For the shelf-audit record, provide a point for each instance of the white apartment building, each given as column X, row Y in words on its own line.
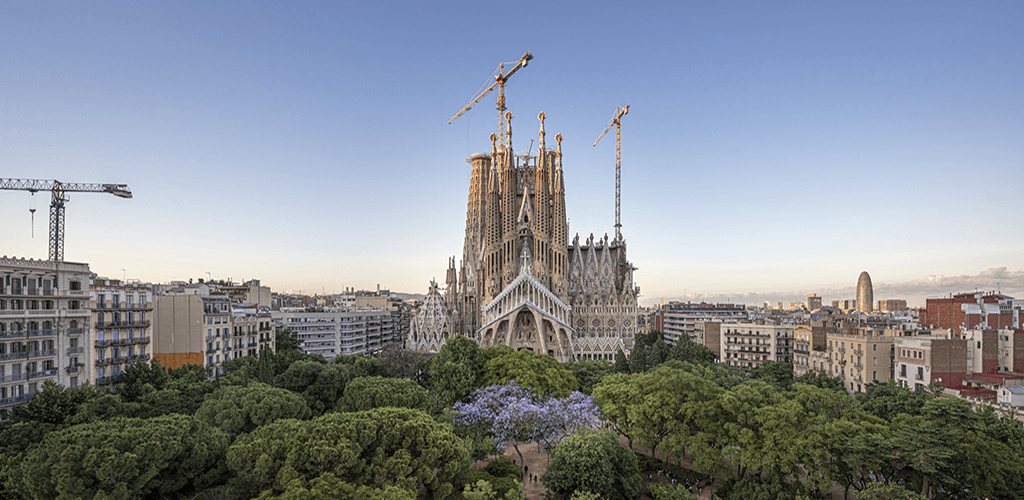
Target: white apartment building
column 747, row 345
column 122, row 327
column 338, row 332
column 44, row 327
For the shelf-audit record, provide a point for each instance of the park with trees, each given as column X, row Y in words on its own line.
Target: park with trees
column 456, row 424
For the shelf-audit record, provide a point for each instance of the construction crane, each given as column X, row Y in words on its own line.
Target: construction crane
column 617, row 121
column 500, row 77
column 58, row 197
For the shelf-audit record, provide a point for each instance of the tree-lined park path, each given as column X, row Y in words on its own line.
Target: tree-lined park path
column 536, row 460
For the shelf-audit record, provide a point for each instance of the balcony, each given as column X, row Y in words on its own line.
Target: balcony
column 14, row 377
column 103, row 343
column 13, row 355
column 16, row 399
column 73, row 370
column 109, row 380
column 142, row 340
column 76, row 350
column 43, row 373
column 75, row 331
column 103, row 362
column 42, row 333
column 42, row 353
column 13, row 335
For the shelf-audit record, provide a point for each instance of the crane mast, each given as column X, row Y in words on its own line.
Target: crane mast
column 500, row 78
column 58, row 197
column 617, row 122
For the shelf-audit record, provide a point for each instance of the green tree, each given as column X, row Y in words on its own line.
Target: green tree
column 366, row 393
column 593, row 461
column 454, row 370
column 689, row 351
column 621, row 362
column 776, row 373
column 378, row 448
column 123, row 458
column 889, row 399
column 53, row 404
column 236, row 409
column 330, row 487
column 539, row 373
column 669, row 492
column 265, row 367
column 140, row 374
column 320, row 384
column 398, row 362
column 589, row 373
column 821, row 379
column 618, row 396
column 887, row 491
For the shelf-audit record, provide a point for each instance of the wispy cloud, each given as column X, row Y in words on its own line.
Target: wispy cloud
column 915, row 292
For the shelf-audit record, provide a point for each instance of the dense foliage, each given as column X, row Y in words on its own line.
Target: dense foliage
column 593, row 461
column 287, row 425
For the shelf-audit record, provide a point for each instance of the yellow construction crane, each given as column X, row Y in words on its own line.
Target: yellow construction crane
column 617, row 122
column 58, row 197
column 500, row 77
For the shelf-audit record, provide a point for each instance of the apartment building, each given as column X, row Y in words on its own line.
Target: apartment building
column 747, row 345
column 860, row 356
column 44, row 327
column 677, row 319
column 252, row 329
column 122, row 327
column 196, row 325
column 338, row 332
column 920, row 360
column 808, row 339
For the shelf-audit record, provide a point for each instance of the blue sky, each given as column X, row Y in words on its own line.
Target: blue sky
column 772, row 149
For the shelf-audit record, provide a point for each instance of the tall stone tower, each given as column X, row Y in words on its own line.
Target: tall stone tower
column 520, row 283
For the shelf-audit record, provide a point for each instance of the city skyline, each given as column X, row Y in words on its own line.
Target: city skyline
column 770, row 151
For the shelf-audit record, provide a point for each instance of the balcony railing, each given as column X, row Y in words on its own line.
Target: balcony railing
column 43, row 373
column 16, row 399
column 73, row 370
column 109, row 380
column 42, row 333
column 13, row 355
column 103, row 362
column 13, row 335
column 75, row 331
column 76, row 350
column 42, row 353
column 14, row 377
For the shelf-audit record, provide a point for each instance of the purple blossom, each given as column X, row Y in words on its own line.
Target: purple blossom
column 514, row 415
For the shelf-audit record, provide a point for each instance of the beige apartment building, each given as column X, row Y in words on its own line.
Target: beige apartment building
column 747, row 345
column 44, row 327
column 860, row 356
column 806, row 341
column 122, row 327
column 252, row 329
column 926, row 358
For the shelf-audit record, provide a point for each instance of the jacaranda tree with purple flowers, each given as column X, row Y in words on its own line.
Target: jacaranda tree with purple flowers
column 515, row 415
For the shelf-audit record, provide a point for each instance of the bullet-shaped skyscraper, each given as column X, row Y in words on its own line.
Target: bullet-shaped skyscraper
column 865, row 295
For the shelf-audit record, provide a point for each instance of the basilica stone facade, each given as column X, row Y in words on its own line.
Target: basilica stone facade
column 520, row 283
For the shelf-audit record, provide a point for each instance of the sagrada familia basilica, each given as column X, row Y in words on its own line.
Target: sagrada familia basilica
column 521, row 283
